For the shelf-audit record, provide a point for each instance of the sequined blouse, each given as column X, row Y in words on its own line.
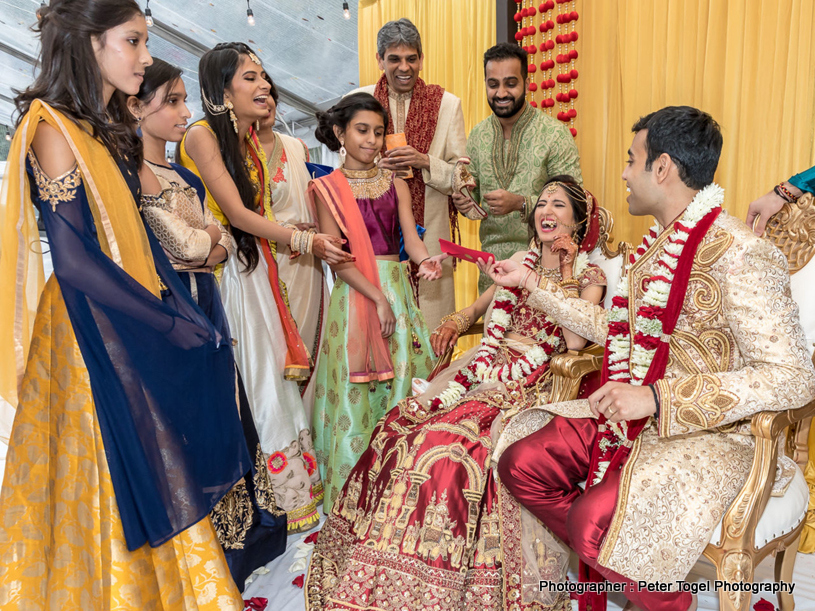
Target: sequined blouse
column 529, row 321
column 179, row 219
column 379, row 205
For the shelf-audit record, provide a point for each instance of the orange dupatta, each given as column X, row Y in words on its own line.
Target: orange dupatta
column 297, row 362
column 368, row 354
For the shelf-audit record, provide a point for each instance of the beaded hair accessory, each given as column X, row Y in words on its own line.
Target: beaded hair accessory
column 253, row 57
column 215, row 109
column 576, row 192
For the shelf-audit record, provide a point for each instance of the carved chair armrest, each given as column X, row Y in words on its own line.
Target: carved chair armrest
column 568, row 369
column 575, row 364
column 740, row 520
column 769, row 425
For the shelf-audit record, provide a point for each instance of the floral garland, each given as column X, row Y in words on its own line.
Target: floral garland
column 648, row 323
column 482, row 368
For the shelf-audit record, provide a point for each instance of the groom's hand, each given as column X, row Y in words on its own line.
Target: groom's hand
column 618, row 402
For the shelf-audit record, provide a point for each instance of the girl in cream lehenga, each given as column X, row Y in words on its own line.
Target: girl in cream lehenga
column 250, row 527
column 222, row 149
column 423, row 523
column 123, row 440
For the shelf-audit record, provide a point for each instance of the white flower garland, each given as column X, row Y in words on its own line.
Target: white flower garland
column 482, row 368
column 657, row 292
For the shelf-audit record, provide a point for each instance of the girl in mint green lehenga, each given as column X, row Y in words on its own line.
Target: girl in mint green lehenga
column 376, row 339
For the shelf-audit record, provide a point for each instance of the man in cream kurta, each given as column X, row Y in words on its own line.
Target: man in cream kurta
column 399, row 53
column 737, row 349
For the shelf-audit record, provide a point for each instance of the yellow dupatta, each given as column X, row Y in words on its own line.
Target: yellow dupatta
column 119, row 226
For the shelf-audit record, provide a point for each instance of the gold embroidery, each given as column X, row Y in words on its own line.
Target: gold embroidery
column 401, row 115
column 488, row 548
column 711, row 251
column 712, row 347
column 503, row 165
column 706, row 296
column 264, row 495
column 55, row 190
column 152, row 199
column 468, row 429
column 436, row 534
column 701, row 401
column 232, row 517
column 369, row 184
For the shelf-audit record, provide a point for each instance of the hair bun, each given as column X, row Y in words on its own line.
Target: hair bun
column 43, row 13
column 324, row 131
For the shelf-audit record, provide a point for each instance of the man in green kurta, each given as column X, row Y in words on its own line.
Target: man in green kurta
column 513, row 152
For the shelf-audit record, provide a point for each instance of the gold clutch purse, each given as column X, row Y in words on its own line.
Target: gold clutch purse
column 464, row 182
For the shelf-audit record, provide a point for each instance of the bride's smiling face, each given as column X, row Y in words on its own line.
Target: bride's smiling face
column 554, row 215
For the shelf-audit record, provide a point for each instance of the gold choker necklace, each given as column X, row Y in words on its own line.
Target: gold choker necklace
column 553, row 273
column 368, row 184
column 360, row 174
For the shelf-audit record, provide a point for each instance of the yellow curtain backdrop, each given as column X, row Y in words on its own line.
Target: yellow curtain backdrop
column 749, row 63
column 455, row 34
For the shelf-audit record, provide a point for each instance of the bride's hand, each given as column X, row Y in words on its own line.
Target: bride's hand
column 503, row 273
column 444, row 337
column 565, row 246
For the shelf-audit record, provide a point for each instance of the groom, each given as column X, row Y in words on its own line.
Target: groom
column 715, row 339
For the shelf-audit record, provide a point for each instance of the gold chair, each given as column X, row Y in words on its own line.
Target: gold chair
column 756, row 524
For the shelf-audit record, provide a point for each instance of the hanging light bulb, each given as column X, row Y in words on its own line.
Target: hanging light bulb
column 346, row 12
column 250, row 16
column 148, row 15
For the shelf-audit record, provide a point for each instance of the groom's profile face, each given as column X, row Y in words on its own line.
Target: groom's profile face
column 638, row 179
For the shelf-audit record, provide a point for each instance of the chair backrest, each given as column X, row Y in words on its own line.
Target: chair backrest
column 792, row 230
column 608, row 257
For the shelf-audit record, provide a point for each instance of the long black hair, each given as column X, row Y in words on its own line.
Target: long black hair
column 216, row 70
column 156, row 75
column 69, row 78
column 341, row 114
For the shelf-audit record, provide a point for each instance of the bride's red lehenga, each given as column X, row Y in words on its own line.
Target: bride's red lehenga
column 423, row 522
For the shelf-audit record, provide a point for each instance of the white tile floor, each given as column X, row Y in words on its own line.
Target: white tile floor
column 283, row 596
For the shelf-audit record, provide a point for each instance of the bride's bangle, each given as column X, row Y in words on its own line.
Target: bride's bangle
column 571, row 287
column 461, row 320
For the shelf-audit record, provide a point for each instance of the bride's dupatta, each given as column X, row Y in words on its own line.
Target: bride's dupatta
column 368, row 354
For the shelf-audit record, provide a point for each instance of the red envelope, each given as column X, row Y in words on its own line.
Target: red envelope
column 465, row 254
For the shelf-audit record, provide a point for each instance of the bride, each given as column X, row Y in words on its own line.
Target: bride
column 422, row 521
